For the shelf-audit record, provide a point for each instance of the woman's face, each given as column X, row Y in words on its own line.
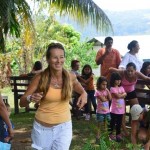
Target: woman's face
column 57, row 59
column 136, row 48
column 147, row 71
column 130, row 71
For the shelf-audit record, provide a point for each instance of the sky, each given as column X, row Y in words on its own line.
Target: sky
column 122, row 5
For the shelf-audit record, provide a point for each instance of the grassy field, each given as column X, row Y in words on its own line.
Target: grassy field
column 83, row 131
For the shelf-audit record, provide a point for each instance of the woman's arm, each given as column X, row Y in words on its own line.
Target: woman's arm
column 142, row 76
column 120, row 71
column 5, row 117
column 82, row 100
column 34, row 97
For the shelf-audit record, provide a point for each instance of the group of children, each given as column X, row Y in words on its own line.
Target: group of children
column 114, row 113
column 110, row 105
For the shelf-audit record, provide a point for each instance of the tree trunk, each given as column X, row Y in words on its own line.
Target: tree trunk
column 2, row 42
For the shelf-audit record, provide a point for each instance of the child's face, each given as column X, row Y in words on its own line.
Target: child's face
column 87, row 70
column 147, row 71
column 117, row 82
column 9, row 111
column 103, row 85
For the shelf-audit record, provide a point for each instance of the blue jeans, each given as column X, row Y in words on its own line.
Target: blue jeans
column 103, row 117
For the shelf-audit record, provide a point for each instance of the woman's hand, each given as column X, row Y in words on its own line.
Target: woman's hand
column 36, row 97
column 82, row 100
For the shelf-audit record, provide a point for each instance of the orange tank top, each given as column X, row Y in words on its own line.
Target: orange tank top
column 52, row 109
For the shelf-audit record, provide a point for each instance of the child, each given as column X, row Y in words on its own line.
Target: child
column 117, row 108
column 87, row 80
column 102, row 112
column 4, row 127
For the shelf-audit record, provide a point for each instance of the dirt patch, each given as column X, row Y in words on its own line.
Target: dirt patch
column 22, row 139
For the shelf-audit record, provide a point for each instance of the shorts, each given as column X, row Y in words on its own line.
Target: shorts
column 51, row 138
column 103, row 117
column 131, row 95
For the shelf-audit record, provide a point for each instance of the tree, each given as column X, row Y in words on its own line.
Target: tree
column 13, row 13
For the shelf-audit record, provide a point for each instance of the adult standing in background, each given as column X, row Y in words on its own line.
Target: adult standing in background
column 52, row 128
column 75, row 65
column 132, row 56
column 108, row 57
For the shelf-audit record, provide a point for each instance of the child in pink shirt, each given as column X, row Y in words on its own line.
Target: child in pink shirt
column 103, row 97
column 117, row 108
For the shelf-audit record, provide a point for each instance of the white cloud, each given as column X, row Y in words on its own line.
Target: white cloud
column 122, row 5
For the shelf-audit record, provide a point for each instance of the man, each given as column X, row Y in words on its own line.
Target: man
column 108, row 57
column 75, row 65
column 140, row 124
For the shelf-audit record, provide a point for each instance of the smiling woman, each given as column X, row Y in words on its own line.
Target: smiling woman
column 52, row 88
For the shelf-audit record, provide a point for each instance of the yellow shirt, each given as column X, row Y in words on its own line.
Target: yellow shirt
column 52, row 109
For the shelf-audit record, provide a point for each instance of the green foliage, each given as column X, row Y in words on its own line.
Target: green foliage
column 83, row 52
column 49, row 30
column 12, row 15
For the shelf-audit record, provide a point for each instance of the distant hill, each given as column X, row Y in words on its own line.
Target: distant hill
column 124, row 23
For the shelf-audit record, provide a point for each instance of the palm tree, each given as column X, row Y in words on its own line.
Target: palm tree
column 84, row 11
column 14, row 13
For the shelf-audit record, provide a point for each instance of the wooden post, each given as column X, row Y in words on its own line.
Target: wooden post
column 16, row 98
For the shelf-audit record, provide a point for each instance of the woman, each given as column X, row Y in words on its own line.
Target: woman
column 132, row 56
column 138, row 114
column 128, row 81
column 52, row 128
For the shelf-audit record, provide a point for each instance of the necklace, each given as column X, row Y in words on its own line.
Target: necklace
column 56, row 83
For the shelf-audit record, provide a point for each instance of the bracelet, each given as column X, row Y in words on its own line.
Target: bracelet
column 28, row 98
